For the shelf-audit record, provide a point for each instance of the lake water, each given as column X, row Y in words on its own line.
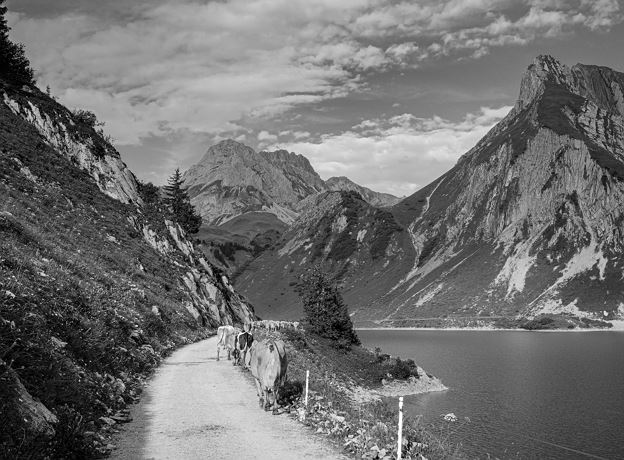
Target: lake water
column 539, row 395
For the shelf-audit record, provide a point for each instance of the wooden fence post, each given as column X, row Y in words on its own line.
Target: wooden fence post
column 306, row 391
column 400, row 446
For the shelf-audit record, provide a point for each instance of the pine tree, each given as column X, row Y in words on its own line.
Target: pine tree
column 14, row 64
column 179, row 204
column 326, row 314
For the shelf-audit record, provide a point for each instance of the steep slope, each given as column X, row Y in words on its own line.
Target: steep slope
column 354, row 240
column 381, row 200
column 94, row 286
column 529, row 221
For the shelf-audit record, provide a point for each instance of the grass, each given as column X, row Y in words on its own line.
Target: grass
column 77, row 288
column 362, row 429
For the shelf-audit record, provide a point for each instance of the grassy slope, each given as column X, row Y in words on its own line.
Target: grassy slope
column 357, row 426
column 77, row 289
column 233, row 244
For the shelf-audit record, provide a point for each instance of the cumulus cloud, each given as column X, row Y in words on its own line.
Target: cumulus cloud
column 399, row 154
column 169, row 76
column 151, row 68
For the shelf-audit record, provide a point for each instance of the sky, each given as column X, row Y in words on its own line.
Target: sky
column 389, row 93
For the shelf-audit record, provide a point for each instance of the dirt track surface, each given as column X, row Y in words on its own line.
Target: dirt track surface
column 198, row 408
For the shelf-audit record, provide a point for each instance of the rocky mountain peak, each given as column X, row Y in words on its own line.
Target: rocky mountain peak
column 229, row 148
column 544, row 68
column 600, row 85
column 284, row 157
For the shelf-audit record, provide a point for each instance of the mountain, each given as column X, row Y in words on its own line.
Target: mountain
column 528, row 222
column 232, row 179
column 353, row 239
column 249, row 199
column 95, row 285
column 297, row 169
column 375, row 198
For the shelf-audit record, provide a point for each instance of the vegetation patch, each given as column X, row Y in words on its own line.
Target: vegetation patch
column 385, row 226
column 363, row 428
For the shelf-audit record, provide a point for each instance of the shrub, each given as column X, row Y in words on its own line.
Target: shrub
column 325, row 311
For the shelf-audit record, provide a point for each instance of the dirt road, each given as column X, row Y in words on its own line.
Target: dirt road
column 198, row 408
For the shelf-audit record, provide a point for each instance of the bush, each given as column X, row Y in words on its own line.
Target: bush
column 325, row 311
column 544, row 322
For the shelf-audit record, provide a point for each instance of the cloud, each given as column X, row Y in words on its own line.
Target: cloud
column 399, row 154
column 153, row 68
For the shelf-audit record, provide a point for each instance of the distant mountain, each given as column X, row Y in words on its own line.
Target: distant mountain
column 249, row 199
column 529, row 221
column 232, row 179
column 297, row 169
column 375, row 198
column 352, row 238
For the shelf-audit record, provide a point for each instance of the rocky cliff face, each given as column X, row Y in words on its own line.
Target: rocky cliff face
column 529, row 221
column 378, row 199
column 297, row 169
column 79, row 143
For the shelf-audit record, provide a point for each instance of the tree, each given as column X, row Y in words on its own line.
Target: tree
column 179, row 204
column 14, row 64
column 326, row 314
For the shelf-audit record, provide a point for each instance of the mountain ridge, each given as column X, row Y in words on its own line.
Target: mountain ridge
column 524, row 219
column 232, row 179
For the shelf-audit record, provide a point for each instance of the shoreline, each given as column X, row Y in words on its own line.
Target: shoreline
column 395, row 388
column 615, row 328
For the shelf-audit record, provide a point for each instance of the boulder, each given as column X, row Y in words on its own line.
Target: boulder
column 20, row 410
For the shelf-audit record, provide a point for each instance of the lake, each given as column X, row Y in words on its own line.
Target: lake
column 540, row 395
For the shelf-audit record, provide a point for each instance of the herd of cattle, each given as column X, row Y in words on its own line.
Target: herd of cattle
column 266, row 359
column 273, row 325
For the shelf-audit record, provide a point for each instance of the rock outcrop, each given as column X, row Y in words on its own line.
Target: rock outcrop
column 80, row 143
column 20, row 409
column 212, row 300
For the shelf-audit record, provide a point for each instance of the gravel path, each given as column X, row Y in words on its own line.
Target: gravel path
column 198, row 408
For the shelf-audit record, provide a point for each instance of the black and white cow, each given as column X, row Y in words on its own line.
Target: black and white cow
column 242, row 344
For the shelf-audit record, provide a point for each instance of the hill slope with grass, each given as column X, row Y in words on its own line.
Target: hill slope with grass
column 95, row 286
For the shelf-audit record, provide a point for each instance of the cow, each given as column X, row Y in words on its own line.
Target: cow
column 268, row 366
column 225, row 339
column 242, row 344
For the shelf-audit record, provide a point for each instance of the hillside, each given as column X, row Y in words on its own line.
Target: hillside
column 529, row 221
column 378, row 199
column 354, row 240
column 95, row 287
